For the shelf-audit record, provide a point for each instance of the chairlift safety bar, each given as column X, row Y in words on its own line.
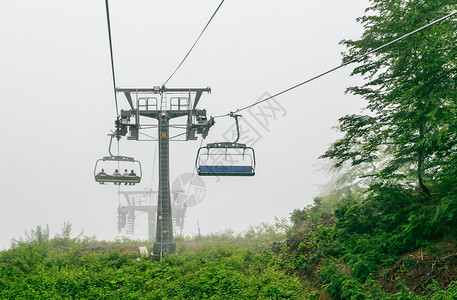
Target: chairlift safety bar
column 118, row 158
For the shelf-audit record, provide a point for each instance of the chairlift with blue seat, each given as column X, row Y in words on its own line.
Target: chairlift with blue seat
column 226, row 158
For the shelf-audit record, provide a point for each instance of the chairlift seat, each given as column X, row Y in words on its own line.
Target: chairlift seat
column 226, row 171
column 117, row 179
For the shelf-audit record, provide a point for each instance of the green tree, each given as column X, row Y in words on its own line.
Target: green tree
column 411, row 90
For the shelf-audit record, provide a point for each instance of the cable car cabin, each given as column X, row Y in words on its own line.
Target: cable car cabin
column 225, row 159
column 118, row 170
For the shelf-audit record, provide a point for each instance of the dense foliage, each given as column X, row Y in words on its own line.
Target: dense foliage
column 406, row 143
column 327, row 253
column 372, row 249
column 218, row 267
column 411, row 91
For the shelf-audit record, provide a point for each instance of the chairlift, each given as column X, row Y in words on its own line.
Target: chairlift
column 226, row 158
column 116, row 164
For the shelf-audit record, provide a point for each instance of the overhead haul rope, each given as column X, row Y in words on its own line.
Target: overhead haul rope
column 112, row 59
column 185, row 57
column 112, row 66
column 356, row 59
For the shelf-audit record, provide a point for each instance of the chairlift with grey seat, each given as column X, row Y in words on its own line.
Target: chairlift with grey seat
column 107, row 169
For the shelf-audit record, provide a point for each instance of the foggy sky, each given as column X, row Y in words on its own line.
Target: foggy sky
column 58, row 103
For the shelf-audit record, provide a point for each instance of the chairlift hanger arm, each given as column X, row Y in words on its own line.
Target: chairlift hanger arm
column 233, row 115
column 110, row 142
column 116, row 157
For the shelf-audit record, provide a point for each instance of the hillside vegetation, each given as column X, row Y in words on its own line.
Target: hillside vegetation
column 218, row 267
column 323, row 255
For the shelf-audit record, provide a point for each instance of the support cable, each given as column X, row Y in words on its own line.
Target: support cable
column 185, row 57
column 154, row 162
column 118, row 154
column 150, row 136
column 112, row 59
column 356, row 59
column 178, row 135
column 119, row 187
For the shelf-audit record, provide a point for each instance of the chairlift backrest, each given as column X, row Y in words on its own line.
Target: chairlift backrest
column 228, row 166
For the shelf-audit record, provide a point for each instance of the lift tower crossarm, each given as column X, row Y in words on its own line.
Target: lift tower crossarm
column 159, row 90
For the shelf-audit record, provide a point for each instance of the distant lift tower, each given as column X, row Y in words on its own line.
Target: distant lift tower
column 163, row 104
column 145, row 201
column 137, row 201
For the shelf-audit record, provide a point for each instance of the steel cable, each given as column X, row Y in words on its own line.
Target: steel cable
column 185, row 57
column 112, row 57
column 358, row 58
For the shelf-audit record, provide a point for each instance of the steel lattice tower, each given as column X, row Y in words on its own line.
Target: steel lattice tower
column 163, row 104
